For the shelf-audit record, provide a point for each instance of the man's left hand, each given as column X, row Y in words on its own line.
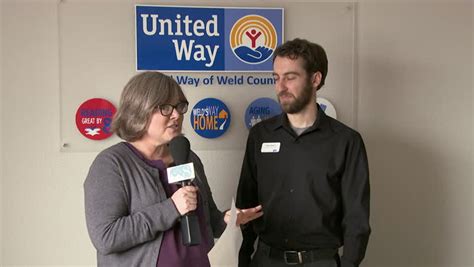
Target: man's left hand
column 245, row 215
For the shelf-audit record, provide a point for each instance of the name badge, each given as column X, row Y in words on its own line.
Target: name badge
column 270, row 147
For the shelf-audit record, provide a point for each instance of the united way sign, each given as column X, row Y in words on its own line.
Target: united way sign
column 171, row 38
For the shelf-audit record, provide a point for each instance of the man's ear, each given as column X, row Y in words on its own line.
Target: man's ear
column 316, row 79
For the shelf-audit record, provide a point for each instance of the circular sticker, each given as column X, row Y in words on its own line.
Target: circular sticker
column 210, row 118
column 94, row 118
column 261, row 109
column 327, row 107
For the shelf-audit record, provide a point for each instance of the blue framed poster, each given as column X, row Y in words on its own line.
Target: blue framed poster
column 179, row 38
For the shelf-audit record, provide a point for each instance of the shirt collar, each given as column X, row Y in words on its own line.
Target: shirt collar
column 320, row 123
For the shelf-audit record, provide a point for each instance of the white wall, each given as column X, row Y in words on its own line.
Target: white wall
column 43, row 197
column 415, row 111
column 1, row 135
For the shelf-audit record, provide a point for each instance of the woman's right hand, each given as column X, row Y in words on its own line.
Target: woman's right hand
column 185, row 199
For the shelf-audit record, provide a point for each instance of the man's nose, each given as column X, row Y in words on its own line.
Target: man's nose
column 280, row 86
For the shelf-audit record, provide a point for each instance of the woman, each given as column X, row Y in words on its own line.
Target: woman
column 132, row 212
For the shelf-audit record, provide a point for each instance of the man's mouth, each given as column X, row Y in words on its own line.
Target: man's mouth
column 285, row 95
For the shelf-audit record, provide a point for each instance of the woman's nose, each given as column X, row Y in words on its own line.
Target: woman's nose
column 174, row 114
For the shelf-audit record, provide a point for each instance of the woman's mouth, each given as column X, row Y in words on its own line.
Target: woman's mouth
column 173, row 126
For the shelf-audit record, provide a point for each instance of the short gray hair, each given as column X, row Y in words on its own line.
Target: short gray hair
column 140, row 97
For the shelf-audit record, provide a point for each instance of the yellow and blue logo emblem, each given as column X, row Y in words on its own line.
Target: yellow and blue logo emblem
column 253, row 39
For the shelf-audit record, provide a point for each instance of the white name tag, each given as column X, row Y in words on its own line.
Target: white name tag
column 270, row 147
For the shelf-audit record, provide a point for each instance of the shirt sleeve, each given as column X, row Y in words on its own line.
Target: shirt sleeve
column 247, row 197
column 111, row 227
column 356, row 198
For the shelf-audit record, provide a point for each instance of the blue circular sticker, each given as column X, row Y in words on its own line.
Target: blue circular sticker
column 261, row 109
column 210, row 118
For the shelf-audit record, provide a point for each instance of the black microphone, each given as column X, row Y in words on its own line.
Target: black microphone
column 183, row 172
column 179, row 149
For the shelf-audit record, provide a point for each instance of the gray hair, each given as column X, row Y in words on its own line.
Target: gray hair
column 140, row 98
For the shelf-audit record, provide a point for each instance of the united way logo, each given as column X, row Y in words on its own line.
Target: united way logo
column 182, row 38
column 210, row 118
column 253, row 39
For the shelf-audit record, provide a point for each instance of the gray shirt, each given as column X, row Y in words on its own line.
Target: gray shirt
column 127, row 210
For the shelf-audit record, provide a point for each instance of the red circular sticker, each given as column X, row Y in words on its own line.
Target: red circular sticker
column 94, row 118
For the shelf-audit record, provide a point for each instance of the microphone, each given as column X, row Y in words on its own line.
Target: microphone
column 183, row 173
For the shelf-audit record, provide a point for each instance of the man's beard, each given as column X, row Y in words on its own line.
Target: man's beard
column 299, row 102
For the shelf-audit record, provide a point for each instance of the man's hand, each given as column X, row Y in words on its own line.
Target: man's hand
column 245, row 215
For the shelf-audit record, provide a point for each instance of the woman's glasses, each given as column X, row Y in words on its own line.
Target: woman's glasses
column 167, row 109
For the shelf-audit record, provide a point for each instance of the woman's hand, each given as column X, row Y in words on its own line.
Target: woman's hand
column 245, row 215
column 185, row 199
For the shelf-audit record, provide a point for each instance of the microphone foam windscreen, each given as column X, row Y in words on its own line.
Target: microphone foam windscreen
column 179, row 149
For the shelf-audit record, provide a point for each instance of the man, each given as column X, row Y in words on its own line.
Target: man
column 309, row 172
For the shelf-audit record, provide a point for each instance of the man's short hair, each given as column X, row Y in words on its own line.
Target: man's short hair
column 140, row 98
column 313, row 55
